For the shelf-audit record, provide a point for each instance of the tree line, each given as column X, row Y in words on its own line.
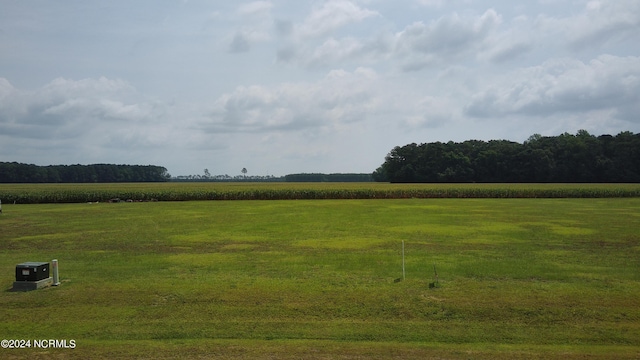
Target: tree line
column 13, row 172
column 301, row 177
column 317, row 177
column 226, row 178
column 562, row 159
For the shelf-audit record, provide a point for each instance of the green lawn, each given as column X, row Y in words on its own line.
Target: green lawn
column 523, row 278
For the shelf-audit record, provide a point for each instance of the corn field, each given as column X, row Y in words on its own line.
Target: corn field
column 132, row 192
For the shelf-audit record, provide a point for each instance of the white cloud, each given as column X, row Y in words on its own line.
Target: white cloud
column 458, row 37
column 330, row 16
column 605, row 21
column 564, row 86
column 68, row 109
column 446, row 39
column 600, row 23
column 255, row 7
column 335, row 51
column 256, row 25
column 341, row 97
column 418, row 45
column 513, row 42
column 432, row 112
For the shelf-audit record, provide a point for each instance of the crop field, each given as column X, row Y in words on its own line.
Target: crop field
column 552, row 278
column 184, row 191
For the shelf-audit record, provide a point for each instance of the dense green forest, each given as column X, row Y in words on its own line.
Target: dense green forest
column 13, row 172
column 561, row 159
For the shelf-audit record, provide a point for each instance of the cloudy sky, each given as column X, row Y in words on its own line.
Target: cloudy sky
column 282, row 87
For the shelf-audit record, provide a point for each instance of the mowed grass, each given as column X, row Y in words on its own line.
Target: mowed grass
column 518, row 278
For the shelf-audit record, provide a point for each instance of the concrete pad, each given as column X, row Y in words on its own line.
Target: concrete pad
column 32, row 285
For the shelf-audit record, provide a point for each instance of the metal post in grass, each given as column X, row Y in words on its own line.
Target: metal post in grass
column 56, row 278
column 435, row 273
column 403, row 277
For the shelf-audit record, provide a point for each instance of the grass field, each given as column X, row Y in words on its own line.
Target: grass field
column 518, row 278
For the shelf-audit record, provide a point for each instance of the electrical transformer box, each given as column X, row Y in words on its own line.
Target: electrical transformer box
column 32, row 271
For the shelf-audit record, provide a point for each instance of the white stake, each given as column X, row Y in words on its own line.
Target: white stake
column 56, row 278
column 403, row 260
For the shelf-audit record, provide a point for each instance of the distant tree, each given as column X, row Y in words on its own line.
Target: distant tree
column 305, row 177
column 319, row 177
column 207, row 174
column 28, row 173
column 564, row 158
column 244, row 172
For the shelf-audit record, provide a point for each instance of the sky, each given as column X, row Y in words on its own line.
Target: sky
column 326, row 86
